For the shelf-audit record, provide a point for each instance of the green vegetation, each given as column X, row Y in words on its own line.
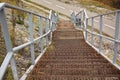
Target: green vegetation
column 16, row 17
column 67, row 2
column 51, row 48
column 95, row 6
column 1, row 58
column 112, row 3
column 20, row 22
column 8, row 75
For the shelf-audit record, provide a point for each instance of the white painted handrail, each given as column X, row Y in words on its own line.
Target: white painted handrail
column 81, row 20
column 9, row 58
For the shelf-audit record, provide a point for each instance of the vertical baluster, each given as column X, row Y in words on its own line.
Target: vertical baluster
column 79, row 25
column 54, row 24
column 74, row 18
column 51, row 25
column 41, row 33
column 86, row 33
column 52, row 18
column 10, row 55
column 92, row 40
column 84, row 21
column 101, row 25
column 116, row 36
column 81, row 22
column 56, row 17
column 57, row 14
column 46, row 30
column 31, row 38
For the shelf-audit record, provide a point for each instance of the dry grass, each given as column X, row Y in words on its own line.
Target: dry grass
column 94, row 5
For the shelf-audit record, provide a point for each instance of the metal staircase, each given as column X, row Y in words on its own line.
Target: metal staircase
column 67, row 49
column 71, row 58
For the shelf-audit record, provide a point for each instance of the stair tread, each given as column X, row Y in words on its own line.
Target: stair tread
column 69, row 57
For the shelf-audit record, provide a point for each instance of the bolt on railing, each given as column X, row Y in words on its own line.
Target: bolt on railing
column 84, row 20
column 9, row 58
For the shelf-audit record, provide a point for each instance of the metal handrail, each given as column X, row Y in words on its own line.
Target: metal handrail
column 109, row 38
column 78, row 13
column 2, row 5
column 84, row 22
column 28, row 43
column 105, row 14
column 9, row 58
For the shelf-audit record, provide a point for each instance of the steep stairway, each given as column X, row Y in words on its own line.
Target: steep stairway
column 69, row 57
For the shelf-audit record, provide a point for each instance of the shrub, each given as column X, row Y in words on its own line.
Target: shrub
column 113, row 3
column 20, row 22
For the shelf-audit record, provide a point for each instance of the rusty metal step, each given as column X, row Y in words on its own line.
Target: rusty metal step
column 71, row 77
column 69, row 57
column 76, row 71
column 72, row 57
column 73, row 60
column 74, row 65
column 79, row 54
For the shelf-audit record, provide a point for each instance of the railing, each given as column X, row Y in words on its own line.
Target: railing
column 79, row 19
column 9, row 58
column 96, row 28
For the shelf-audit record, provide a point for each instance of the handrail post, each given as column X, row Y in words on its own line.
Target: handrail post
column 101, row 25
column 56, row 17
column 82, row 20
column 10, row 56
column 86, row 33
column 51, row 25
column 57, row 14
column 54, row 24
column 116, row 37
column 92, row 40
column 31, row 38
column 73, row 17
column 47, row 24
column 41, row 33
column 50, row 14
